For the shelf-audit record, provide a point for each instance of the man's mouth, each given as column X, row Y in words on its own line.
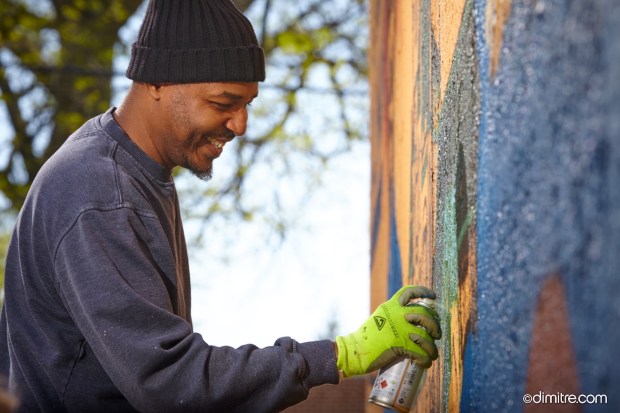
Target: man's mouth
column 217, row 143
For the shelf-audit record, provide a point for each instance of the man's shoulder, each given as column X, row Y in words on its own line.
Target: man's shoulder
column 92, row 171
column 82, row 163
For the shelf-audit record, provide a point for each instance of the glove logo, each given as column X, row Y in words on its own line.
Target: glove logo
column 380, row 322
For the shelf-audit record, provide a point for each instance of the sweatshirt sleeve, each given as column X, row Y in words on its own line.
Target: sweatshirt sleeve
column 116, row 275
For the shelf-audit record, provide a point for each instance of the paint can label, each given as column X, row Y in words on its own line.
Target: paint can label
column 396, row 385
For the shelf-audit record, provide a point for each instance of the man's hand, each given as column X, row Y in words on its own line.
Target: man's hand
column 393, row 330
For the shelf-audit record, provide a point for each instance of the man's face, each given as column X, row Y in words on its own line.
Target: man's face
column 200, row 119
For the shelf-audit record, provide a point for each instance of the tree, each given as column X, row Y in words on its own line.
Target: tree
column 55, row 70
column 57, row 67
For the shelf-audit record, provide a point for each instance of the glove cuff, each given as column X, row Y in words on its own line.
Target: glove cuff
column 348, row 361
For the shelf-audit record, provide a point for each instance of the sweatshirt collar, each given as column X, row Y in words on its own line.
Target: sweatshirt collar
column 109, row 125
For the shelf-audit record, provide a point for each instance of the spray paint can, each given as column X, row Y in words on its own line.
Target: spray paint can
column 397, row 383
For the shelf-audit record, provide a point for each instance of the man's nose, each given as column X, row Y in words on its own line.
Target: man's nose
column 237, row 123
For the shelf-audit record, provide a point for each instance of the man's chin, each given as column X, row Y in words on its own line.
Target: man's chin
column 202, row 173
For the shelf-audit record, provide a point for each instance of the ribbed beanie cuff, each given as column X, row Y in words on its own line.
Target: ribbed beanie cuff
column 193, row 41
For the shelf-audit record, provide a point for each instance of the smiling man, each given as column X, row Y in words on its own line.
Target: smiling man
column 97, row 311
column 189, row 123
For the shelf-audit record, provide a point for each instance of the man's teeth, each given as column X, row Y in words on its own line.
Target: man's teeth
column 216, row 143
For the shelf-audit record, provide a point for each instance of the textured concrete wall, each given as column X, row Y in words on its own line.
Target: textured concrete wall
column 495, row 130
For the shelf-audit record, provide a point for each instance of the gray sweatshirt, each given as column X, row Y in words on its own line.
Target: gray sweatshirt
column 97, row 298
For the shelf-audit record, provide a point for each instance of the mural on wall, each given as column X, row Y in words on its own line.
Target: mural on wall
column 495, row 132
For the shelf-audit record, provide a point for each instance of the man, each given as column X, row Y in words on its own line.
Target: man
column 97, row 311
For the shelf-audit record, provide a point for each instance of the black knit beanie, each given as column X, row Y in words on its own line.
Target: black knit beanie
column 193, row 41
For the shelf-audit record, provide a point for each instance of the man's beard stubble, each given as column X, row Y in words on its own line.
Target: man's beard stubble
column 179, row 108
column 204, row 175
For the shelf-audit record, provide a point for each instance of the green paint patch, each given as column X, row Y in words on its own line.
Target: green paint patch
column 464, row 227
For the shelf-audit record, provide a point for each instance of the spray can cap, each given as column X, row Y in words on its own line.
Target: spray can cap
column 426, row 302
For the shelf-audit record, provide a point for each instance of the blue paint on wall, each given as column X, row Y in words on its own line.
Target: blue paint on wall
column 395, row 273
column 548, row 196
column 376, row 219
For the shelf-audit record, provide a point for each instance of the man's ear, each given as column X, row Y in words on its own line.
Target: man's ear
column 154, row 90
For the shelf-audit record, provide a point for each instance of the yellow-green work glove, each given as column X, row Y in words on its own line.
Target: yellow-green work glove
column 393, row 330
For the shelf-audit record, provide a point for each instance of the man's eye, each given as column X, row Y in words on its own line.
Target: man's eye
column 230, row 106
column 222, row 106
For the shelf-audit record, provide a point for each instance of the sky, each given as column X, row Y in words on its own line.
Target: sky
column 319, row 274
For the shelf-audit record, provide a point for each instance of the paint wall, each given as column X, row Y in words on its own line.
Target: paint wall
column 495, row 129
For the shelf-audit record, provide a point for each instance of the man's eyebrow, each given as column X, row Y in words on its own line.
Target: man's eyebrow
column 233, row 96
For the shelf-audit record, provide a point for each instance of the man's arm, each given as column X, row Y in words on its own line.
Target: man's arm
column 116, row 276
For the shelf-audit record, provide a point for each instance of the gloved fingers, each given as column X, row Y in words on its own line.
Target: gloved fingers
column 426, row 343
column 410, row 292
column 385, row 358
column 421, row 309
column 420, row 358
column 421, row 316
